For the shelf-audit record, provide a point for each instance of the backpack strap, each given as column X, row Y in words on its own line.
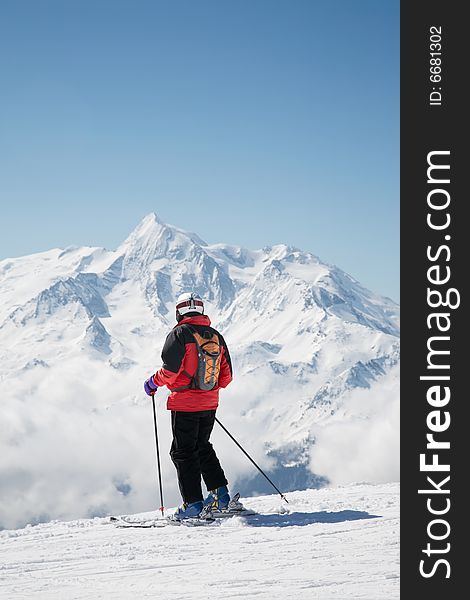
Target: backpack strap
column 185, row 387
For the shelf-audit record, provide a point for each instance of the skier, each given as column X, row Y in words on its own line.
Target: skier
column 196, row 364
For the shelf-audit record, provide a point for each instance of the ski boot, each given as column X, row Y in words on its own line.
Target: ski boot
column 217, row 499
column 188, row 511
column 218, row 504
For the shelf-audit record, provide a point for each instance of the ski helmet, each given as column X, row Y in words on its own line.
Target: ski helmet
column 188, row 304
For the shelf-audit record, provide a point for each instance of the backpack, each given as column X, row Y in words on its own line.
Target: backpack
column 209, row 354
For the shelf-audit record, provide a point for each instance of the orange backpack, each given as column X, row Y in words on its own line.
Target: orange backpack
column 209, row 354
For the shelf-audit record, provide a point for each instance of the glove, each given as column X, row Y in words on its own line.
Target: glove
column 150, row 387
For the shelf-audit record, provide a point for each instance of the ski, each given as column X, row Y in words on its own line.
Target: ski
column 193, row 522
column 208, row 516
column 124, row 522
column 225, row 513
column 234, row 509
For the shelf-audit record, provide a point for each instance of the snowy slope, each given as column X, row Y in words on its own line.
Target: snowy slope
column 324, row 547
column 81, row 328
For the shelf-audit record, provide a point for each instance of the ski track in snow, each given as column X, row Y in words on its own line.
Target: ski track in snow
column 332, row 543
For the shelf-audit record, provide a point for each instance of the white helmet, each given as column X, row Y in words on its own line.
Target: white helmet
column 189, row 302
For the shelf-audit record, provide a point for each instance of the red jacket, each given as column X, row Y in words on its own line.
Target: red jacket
column 180, row 354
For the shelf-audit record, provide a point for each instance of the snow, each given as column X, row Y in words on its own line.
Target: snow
column 333, row 543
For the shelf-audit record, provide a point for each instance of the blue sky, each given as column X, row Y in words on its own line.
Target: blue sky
column 251, row 122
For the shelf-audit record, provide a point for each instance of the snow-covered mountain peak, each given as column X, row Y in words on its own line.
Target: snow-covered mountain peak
column 282, row 251
column 151, row 241
column 153, row 233
column 149, row 227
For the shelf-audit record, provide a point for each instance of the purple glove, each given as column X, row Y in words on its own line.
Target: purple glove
column 150, row 387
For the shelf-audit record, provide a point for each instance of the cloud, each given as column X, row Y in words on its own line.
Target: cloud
column 77, row 440
column 361, row 442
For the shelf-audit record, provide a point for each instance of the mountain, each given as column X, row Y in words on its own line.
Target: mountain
column 81, row 328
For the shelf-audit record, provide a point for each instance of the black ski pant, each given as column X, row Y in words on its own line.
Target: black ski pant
column 193, row 454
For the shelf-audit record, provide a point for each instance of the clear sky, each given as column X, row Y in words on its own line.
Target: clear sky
column 251, row 122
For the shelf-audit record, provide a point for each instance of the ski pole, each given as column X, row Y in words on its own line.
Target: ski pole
column 249, row 457
column 158, row 456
